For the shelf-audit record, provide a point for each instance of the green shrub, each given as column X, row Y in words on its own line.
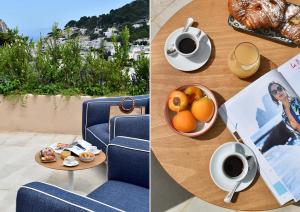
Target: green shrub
column 48, row 67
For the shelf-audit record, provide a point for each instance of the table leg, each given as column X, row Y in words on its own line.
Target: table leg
column 71, row 180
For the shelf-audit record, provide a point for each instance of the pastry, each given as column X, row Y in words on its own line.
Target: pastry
column 60, row 146
column 291, row 27
column 47, row 155
column 87, row 155
column 255, row 14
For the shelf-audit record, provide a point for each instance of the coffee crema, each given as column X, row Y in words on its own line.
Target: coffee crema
column 187, row 45
column 233, row 166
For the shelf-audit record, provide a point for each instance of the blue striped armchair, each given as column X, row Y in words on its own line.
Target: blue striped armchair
column 95, row 121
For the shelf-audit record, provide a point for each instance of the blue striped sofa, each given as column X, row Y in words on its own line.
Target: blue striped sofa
column 95, row 121
column 127, row 187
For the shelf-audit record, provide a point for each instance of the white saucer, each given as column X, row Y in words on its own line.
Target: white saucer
column 74, row 163
column 215, row 166
column 96, row 152
column 196, row 61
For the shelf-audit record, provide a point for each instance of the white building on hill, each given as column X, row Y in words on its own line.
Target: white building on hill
column 137, row 25
column 110, row 32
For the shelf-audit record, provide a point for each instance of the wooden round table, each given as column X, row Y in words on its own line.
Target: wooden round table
column 185, row 159
column 58, row 165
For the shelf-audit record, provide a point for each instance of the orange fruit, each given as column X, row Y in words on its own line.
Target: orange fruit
column 193, row 93
column 203, row 109
column 184, row 121
column 178, row 101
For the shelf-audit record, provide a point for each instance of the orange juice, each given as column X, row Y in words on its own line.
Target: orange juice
column 64, row 154
column 244, row 60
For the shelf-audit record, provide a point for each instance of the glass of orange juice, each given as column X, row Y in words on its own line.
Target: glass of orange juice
column 64, row 154
column 244, row 60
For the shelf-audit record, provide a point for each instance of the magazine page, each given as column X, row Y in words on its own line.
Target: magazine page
column 79, row 146
column 259, row 119
column 291, row 72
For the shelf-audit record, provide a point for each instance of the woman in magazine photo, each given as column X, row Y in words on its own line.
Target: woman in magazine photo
column 282, row 146
column 290, row 106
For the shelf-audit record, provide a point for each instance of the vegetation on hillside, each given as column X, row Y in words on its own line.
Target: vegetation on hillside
column 60, row 69
column 126, row 15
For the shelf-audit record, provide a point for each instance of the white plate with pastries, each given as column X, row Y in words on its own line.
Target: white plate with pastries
column 87, row 156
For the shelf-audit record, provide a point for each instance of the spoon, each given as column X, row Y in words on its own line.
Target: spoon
column 188, row 24
column 228, row 197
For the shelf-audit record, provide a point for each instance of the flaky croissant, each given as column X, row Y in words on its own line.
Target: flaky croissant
column 255, row 14
column 291, row 27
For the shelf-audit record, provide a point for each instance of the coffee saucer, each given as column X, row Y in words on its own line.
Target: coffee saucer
column 216, row 162
column 73, row 163
column 97, row 152
column 194, row 62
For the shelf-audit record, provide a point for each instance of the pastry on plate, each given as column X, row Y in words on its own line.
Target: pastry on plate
column 47, row 155
column 87, row 156
column 256, row 14
column 60, row 146
column 291, row 27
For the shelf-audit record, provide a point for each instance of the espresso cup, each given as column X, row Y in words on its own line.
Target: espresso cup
column 235, row 166
column 70, row 159
column 187, row 44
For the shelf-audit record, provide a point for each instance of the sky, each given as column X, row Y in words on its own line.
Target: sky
column 33, row 17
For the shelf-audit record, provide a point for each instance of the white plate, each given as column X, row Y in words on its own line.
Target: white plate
column 74, row 163
column 192, row 63
column 215, row 166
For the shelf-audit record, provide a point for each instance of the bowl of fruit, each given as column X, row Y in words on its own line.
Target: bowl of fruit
column 191, row 110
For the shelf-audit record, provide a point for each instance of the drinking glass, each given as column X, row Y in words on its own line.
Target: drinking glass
column 244, row 60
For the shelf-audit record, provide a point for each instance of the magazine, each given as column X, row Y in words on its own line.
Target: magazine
column 77, row 147
column 266, row 117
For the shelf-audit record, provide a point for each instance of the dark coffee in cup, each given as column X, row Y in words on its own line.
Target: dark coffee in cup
column 233, row 166
column 187, row 45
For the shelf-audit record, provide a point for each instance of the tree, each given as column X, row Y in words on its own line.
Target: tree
column 71, row 23
column 129, row 13
column 10, row 36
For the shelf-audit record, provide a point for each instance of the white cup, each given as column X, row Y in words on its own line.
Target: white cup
column 191, row 36
column 70, row 159
column 245, row 170
column 93, row 149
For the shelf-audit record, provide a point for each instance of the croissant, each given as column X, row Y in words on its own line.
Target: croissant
column 291, row 27
column 255, row 14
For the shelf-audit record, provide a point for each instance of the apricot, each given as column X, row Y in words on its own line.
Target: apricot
column 178, row 101
column 193, row 93
column 203, row 109
column 184, row 121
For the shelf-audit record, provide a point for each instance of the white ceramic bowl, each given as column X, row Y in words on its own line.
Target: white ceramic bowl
column 201, row 127
column 87, row 159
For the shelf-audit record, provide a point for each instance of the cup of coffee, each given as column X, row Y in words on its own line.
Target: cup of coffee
column 187, row 44
column 235, row 166
column 93, row 149
column 70, row 159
